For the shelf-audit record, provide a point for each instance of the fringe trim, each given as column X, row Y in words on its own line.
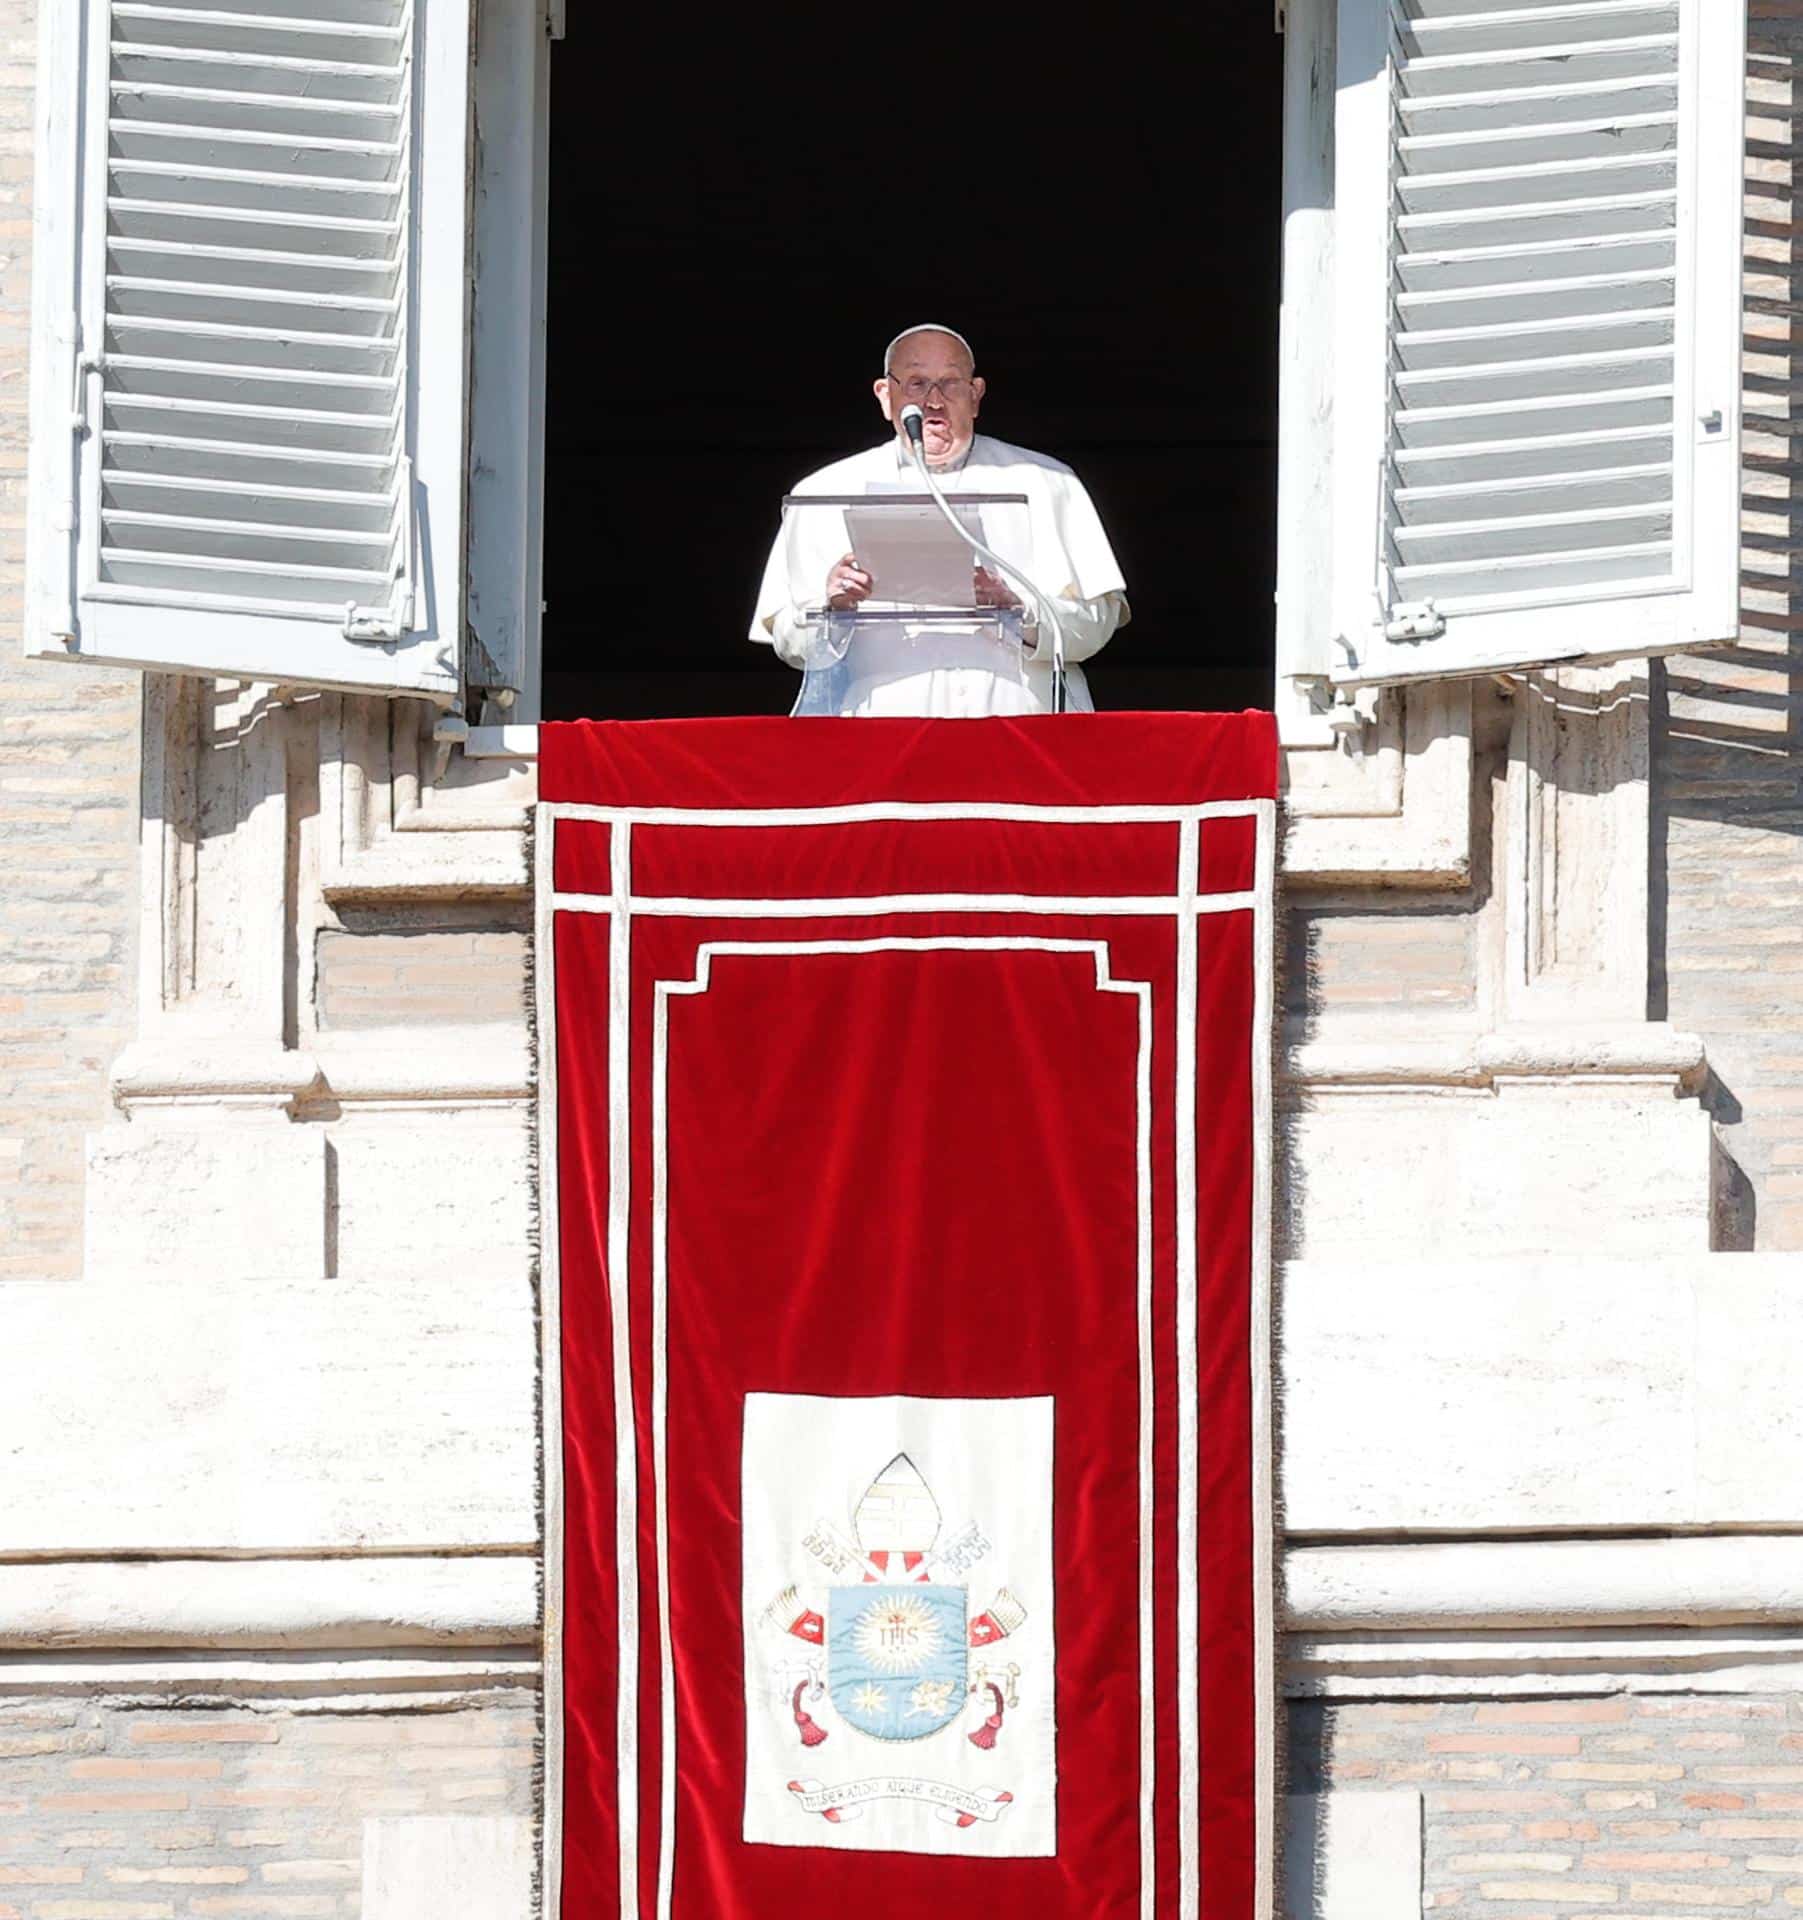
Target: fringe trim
column 1284, row 1202
column 535, row 1151
column 1285, row 1194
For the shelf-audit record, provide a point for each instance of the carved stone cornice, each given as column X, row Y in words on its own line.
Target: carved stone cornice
column 1398, row 812
column 1626, row 1050
column 394, row 825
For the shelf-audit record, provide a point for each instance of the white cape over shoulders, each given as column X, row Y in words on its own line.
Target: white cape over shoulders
column 1056, row 540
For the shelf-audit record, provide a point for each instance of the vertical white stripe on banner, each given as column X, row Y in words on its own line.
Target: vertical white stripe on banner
column 1148, row 1651
column 1264, row 1546
column 660, row 1450
column 1189, row 1744
column 626, row 1489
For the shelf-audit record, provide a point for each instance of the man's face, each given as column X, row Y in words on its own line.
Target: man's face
column 933, row 372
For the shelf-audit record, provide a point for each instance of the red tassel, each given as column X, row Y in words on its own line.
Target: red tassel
column 811, row 1732
column 984, row 1736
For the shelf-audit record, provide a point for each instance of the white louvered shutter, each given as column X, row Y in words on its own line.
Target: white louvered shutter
column 1537, row 344
column 263, row 471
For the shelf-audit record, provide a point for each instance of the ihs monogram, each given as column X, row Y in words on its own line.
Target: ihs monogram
column 895, row 1642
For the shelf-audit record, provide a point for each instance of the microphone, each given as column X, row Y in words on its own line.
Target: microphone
column 913, row 423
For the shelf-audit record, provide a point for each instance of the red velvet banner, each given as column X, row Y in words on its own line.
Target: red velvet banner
column 906, row 1168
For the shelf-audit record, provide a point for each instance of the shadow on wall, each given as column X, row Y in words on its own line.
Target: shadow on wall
column 1344, row 1853
column 1727, row 854
column 1730, row 721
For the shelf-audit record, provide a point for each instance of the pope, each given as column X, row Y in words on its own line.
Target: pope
column 1056, row 540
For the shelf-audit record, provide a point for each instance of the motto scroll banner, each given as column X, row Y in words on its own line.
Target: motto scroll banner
column 905, row 1165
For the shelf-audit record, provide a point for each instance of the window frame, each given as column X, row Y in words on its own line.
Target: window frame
column 511, row 220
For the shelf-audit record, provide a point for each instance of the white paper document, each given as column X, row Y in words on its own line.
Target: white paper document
column 913, row 557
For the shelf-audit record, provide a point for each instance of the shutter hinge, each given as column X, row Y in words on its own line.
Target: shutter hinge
column 380, row 623
column 1414, row 620
column 86, row 364
column 67, row 511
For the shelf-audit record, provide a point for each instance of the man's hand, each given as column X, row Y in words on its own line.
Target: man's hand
column 993, row 591
column 847, row 584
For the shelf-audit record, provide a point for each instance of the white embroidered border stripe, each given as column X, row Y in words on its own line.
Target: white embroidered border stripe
column 619, row 1211
column 1189, row 1745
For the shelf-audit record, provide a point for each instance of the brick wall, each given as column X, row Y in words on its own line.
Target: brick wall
column 68, row 809
column 1728, row 745
column 422, row 976
column 1667, row 1805
column 1421, row 959
column 110, row 1812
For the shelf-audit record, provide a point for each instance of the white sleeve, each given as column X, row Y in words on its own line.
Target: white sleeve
column 776, row 620
column 1088, row 626
column 801, row 557
column 1094, row 571
column 787, row 631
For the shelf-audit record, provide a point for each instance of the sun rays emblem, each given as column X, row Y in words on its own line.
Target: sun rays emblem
column 898, row 1634
column 903, row 1651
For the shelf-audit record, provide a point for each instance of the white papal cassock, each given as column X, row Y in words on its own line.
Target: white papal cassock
column 1056, row 540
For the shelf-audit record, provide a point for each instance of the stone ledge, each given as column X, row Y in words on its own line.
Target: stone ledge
column 1526, row 1663
column 212, row 1068
column 450, row 1065
column 374, row 1602
column 480, row 1600
column 444, row 1065
column 1637, row 1050
column 1699, row 1580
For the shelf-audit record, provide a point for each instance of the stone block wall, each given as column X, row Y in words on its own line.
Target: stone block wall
column 1673, row 1805
column 68, row 809
column 117, row 1811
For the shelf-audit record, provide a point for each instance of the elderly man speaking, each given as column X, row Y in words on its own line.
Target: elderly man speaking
column 1056, row 540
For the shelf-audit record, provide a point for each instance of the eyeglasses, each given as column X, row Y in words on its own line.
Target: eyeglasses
column 917, row 389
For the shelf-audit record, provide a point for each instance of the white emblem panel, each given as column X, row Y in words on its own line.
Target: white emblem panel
column 898, row 1617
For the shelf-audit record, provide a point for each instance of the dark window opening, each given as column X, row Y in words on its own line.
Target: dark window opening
column 744, row 209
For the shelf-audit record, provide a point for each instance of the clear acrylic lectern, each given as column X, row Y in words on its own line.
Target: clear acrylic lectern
column 847, row 652
column 922, row 616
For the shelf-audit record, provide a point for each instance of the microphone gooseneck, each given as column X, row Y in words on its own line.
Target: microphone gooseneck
column 914, row 426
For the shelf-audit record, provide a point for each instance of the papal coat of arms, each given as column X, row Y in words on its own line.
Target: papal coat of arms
column 899, row 1654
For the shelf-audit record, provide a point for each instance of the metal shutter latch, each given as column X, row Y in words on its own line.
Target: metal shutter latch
column 1414, row 620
